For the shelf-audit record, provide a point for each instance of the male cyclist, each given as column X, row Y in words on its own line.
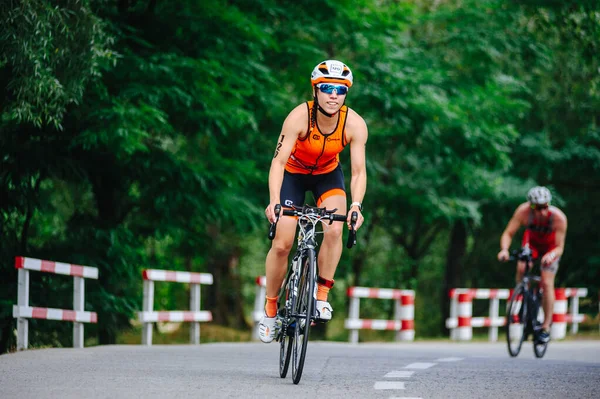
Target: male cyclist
column 307, row 159
column 546, row 229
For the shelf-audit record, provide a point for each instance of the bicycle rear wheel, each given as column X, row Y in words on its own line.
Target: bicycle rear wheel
column 286, row 335
column 285, row 351
column 516, row 320
column 539, row 348
column 303, row 310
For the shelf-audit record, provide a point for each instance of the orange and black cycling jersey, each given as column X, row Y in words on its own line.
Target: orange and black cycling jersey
column 317, row 152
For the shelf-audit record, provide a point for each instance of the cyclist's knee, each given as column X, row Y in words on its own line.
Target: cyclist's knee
column 334, row 231
column 548, row 283
column 281, row 248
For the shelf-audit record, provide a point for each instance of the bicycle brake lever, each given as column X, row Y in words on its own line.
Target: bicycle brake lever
column 352, row 235
column 273, row 228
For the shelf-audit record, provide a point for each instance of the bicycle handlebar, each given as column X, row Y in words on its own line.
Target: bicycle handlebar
column 334, row 217
column 521, row 254
column 321, row 212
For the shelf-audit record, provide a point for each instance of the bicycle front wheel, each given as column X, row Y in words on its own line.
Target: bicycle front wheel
column 303, row 311
column 516, row 320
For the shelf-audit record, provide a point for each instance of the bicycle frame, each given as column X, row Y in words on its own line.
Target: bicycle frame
column 298, row 292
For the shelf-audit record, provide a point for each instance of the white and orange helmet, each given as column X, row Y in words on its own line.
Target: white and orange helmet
column 331, row 71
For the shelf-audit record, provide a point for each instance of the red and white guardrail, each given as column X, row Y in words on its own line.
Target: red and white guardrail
column 23, row 312
column 148, row 316
column 461, row 320
column 561, row 314
column 404, row 312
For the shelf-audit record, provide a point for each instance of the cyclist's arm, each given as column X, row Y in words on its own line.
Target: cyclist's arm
column 358, row 135
column 560, row 224
column 292, row 126
column 513, row 225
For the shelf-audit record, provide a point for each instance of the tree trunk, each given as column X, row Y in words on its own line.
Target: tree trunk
column 237, row 319
column 226, row 300
column 454, row 266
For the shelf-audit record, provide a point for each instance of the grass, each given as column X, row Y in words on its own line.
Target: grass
column 179, row 333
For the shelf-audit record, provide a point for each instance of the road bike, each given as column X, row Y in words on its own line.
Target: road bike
column 523, row 309
column 298, row 294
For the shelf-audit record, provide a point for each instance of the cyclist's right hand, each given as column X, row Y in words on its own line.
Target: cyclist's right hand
column 270, row 212
column 503, row 255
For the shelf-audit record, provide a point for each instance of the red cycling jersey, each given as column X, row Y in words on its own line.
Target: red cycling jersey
column 540, row 235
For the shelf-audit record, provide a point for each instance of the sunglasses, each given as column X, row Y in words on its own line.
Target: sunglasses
column 539, row 207
column 328, row 88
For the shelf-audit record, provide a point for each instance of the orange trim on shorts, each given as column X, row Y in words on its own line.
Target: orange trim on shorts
column 330, row 193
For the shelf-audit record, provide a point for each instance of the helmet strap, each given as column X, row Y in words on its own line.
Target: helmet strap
column 321, row 110
column 327, row 114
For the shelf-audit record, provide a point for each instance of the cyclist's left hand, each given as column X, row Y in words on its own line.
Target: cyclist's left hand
column 359, row 220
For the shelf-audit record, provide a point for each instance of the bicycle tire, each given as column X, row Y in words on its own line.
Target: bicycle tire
column 539, row 348
column 516, row 320
column 286, row 337
column 285, row 351
column 303, row 310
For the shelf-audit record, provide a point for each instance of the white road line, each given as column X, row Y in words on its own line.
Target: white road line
column 450, row 359
column 401, row 397
column 419, row 366
column 399, row 374
column 389, row 385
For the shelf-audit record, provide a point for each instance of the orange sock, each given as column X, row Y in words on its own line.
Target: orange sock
column 271, row 307
column 322, row 292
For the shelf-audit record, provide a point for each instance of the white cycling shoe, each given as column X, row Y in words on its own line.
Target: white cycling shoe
column 324, row 310
column 267, row 329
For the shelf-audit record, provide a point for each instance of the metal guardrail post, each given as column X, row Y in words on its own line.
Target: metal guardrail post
column 147, row 306
column 195, row 307
column 78, row 304
column 23, row 301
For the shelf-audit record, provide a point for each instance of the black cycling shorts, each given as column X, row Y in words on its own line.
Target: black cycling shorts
column 295, row 186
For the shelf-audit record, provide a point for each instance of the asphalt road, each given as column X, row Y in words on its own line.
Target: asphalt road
column 333, row 370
